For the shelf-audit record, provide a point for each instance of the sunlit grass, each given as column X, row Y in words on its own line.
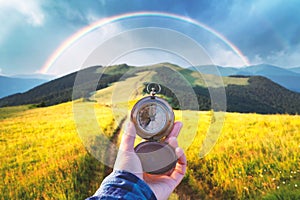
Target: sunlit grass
column 253, row 156
column 43, row 157
column 217, row 81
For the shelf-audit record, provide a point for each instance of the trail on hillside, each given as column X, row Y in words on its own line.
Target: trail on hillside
column 111, row 154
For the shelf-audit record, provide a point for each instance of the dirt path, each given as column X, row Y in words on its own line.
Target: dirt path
column 111, row 152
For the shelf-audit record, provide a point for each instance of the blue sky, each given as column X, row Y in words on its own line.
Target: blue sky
column 265, row 31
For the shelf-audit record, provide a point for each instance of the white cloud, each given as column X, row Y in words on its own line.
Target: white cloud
column 110, row 44
column 1, row 72
column 150, row 45
column 283, row 58
column 220, row 55
column 30, row 9
column 77, row 55
column 75, row 12
column 257, row 59
column 91, row 17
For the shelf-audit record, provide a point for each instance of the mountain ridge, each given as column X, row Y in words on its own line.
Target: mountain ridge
column 253, row 94
column 15, row 85
column 46, row 77
column 295, row 69
column 285, row 77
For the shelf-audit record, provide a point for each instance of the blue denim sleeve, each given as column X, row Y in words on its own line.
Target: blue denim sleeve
column 123, row 185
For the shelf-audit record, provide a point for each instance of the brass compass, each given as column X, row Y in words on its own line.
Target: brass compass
column 153, row 118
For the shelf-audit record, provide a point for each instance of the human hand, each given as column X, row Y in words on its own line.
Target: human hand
column 162, row 185
column 127, row 159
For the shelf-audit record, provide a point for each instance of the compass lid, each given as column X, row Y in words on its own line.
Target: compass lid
column 156, row 157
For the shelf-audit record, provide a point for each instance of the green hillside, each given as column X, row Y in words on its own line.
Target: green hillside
column 179, row 86
column 62, row 89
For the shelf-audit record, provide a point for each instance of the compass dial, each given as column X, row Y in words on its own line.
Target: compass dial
column 152, row 118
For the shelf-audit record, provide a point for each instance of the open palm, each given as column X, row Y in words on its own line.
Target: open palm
column 161, row 185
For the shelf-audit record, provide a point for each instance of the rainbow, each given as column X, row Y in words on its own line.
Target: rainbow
column 71, row 40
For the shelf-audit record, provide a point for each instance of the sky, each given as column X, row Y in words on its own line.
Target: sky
column 60, row 36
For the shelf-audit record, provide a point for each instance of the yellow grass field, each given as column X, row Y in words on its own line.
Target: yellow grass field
column 42, row 156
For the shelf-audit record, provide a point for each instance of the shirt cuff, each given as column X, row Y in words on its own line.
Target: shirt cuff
column 121, row 184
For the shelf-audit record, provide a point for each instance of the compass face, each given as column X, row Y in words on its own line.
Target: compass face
column 152, row 118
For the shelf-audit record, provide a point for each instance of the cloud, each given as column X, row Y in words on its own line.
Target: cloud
column 110, row 44
column 92, row 17
column 79, row 13
column 223, row 56
column 77, row 55
column 30, row 9
column 289, row 57
column 2, row 72
column 14, row 13
column 263, row 29
column 150, row 45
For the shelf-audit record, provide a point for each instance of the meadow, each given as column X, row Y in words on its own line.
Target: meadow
column 255, row 157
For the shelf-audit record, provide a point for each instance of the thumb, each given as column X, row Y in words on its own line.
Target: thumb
column 128, row 137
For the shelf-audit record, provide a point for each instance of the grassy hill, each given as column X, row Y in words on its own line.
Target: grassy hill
column 243, row 94
column 61, row 90
column 43, row 150
column 42, row 156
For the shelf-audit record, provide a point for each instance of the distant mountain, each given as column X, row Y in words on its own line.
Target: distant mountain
column 244, row 94
column 61, row 90
column 285, row 77
column 215, row 70
column 264, row 70
column 258, row 95
column 34, row 76
column 10, row 85
column 295, row 69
